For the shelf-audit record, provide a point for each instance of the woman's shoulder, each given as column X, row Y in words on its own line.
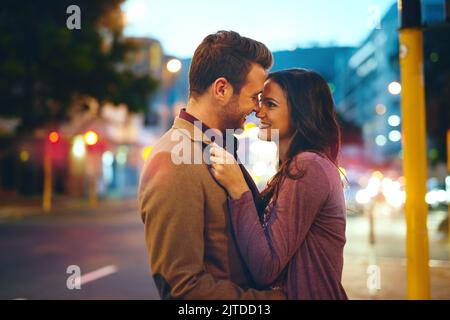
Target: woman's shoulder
column 309, row 158
column 317, row 164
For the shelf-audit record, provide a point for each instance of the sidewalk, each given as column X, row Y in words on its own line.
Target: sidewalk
column 388, row 255
column 64, row 206
column 393, row 279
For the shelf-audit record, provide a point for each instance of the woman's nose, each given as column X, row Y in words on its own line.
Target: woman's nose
column 261, row 112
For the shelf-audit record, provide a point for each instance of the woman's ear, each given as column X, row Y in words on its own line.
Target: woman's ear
column 222, row 90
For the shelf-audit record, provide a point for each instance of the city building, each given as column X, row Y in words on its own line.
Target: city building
column 371, row 90
column 371, row 85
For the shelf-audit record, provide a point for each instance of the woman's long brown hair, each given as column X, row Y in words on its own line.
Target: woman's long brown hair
column 313, row 118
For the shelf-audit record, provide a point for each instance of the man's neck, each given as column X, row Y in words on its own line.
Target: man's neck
column 199, row 112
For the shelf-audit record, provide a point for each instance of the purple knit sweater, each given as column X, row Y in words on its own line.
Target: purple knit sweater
column 300, row 247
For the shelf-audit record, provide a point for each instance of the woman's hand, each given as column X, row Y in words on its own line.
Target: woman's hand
column 227, row 172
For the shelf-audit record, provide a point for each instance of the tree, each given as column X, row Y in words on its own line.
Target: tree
column 44, row 66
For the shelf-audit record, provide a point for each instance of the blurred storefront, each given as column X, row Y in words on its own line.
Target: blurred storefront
column 116, row 158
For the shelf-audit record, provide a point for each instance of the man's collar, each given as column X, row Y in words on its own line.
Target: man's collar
column 198, row 131
column 208, row 132
column 193, row 131
column 189, row 117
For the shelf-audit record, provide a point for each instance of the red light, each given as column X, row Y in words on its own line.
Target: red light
column 53, row 137
column 91, row 138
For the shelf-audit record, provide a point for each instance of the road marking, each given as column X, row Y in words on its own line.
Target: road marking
column 97, row 274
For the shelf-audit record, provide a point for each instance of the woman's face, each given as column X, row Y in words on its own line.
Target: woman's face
column 274, row 113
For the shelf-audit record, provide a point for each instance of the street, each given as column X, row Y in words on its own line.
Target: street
column 107, row 243
column 36, row 252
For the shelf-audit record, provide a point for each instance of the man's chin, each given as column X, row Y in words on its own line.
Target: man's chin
column 234, row 124
column 238, row 125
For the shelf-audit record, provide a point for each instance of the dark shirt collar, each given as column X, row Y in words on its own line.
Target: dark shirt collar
column 189, row 117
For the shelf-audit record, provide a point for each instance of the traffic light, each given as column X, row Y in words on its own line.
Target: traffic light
column 53, row 137
column 51, row 149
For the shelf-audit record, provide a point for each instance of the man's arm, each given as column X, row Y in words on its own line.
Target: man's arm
column 172, row 205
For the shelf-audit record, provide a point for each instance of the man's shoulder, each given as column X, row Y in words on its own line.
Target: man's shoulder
column 174, row 154
column 167, row 141
column 164, row 171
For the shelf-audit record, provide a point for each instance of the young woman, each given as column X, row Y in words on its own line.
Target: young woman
column 297, row 240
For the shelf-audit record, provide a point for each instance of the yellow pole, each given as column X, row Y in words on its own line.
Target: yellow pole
column 93, row 199
column 47, row 193
column 414, row 162
column 447, row 186
column 92, row 163
column 371, row 225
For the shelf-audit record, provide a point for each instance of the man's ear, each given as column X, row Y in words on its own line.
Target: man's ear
column 222, row 90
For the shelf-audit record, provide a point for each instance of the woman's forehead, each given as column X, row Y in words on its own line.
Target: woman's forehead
column 271, row 87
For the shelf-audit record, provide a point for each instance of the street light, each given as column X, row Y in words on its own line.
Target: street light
column 380, row 109
column 394, row 120
column 380, row 140
column 394, row 88
column 91, row 138
column 173, row 65
column 134, row 12
column 395, row 135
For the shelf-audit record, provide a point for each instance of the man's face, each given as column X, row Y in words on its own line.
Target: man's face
column 242, row 105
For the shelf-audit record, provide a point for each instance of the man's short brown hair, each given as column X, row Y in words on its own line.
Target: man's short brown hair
column 225, row 54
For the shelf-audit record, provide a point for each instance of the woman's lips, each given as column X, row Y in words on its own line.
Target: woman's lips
column 264, row 126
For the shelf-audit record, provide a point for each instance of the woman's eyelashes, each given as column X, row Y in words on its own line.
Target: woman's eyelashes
column 270, row 104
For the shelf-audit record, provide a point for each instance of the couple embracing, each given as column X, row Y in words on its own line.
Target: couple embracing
column 210, row 233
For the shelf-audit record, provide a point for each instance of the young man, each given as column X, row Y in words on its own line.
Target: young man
column 191, row 248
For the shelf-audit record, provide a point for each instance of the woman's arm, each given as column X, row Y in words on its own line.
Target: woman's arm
column 267, row 250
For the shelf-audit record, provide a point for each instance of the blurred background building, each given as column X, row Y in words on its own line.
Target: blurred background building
column 364, row 80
